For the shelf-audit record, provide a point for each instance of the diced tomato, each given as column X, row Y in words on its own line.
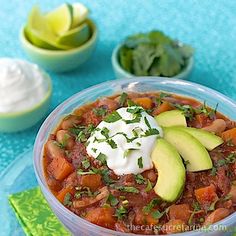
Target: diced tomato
column 102, row 216
column 206, row 195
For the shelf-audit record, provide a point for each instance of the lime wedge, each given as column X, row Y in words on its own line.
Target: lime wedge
column 38, row 31
column 80, row 13
column 76, row 36
column 60, row 20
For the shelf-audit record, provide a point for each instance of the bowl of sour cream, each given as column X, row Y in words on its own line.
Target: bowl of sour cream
column 25, row 94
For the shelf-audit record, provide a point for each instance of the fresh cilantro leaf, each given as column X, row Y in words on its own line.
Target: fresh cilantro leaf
column 121, row 212
column 149, row 186
column 85, row 163
column 140, row 179
column 130, row 103
column 82, row 172
column 105, row 132
column 153, row 203
column 140, row 162
column 213, row 171
column 67, row 200
column 112, row 200
column 212, row 206
column 187, row 110
column 112, row 143
column 100, row 111
column 162, row 95
column 157, row 214
column 136, row 119
column 128, row 189
column 102, row 158
column 113, row 117
column 135, row 110
column 123, row 98
column 196, row 206
column 147, row 122
column 151, row 132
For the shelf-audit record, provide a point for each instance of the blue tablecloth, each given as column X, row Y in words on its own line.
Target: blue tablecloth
column 210, row 26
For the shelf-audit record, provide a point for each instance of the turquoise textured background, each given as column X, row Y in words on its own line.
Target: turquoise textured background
column 209, row 26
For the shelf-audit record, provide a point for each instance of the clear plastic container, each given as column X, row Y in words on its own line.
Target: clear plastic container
column 79, row 226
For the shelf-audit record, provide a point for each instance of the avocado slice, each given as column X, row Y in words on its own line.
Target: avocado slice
column 171, row 118
column 171, row 171
column 192, row 151
column 207, row 139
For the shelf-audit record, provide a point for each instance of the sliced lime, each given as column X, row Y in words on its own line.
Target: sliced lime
column 76, row 37
column 60, row 20
column 38, row 31
column 80, row 13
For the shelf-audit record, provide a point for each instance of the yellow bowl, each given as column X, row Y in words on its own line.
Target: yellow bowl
column 60, row 60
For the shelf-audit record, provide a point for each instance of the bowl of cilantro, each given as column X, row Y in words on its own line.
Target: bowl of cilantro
column 152, row 54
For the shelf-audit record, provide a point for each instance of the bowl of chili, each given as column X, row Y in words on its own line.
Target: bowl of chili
column 90, row 198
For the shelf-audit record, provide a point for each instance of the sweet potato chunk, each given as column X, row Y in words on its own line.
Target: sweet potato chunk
column 102, row 216
column 180, row 212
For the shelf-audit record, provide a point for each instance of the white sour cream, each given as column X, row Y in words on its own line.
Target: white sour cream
column 129, row 152
column 22, row 85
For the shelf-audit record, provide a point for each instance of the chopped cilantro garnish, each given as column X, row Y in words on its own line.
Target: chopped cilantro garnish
column 147, row 122
column 113, row 117
column 112, row 143
column 112, row 200
column 127, row 189
column 105, row 132
column 67, row 200
column 140, row 162
column 121, row 212
column 135, row 110
column 85, row 163
column 130, row 103
column 149, row 186
column 153, row 203
column 157, row 214
column 150, row 132
column 82, row 133
column 187, row 110
column 122, row 99
column 212, row 206
column 82, row 172
column 136, row 119
column 213, row 171
column 160, row 98
column 102, row 158
column 100, row 111
column 140, row 179
column 196, row 206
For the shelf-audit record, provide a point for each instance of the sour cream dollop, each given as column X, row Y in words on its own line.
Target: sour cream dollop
column 22, row 85
column 126, row 141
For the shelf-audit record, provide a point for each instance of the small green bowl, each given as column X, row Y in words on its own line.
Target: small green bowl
column 120, row 73
column 60, row 60
column 17, row 121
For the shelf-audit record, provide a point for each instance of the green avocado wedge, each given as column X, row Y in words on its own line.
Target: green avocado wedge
column 192, row 151
column 171, row 171
column 171, row 118
column 207, row 139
